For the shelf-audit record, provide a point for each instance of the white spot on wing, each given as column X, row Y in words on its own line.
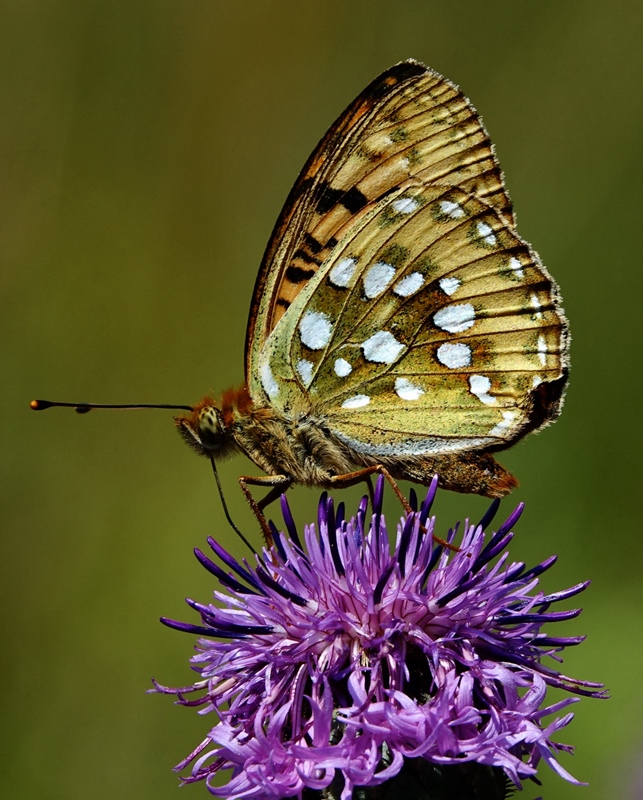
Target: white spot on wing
column 305, row 370
column 453, row 210
column 315, row 329
column 377, row 279
column 342, row 273
column 455, row 355
column 356, row 401
column 455, row 319
column 409, row 285
column 405, row 205
column 480, row 385
column 342, row 368
column 542, row 350
column 536, row 381
column 535, row 304
column 407, row 390
column 270, row 385
column 516, row 266
column 382, row 347
column 503, row 426
column 450, row 285
column 486, row 233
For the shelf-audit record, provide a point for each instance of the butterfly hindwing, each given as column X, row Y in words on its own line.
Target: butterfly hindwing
column 430, row 329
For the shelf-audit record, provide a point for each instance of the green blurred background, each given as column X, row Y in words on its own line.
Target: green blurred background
column 146, row 149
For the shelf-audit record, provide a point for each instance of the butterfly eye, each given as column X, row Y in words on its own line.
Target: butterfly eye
column 210, row 427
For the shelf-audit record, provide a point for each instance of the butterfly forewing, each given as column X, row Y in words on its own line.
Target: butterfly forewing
column 410, row 122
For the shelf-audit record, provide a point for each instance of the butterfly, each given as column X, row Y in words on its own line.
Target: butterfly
column 398, row 320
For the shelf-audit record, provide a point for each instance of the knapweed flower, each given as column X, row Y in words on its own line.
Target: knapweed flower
column 341, row 656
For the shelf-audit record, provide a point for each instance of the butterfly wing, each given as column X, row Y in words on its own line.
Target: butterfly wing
column 396, row 302
column 409, row 122
column 433, row 328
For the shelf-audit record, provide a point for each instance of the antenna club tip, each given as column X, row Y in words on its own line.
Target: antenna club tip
column 38, row 405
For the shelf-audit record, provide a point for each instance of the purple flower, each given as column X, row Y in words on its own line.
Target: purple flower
column 348, row 654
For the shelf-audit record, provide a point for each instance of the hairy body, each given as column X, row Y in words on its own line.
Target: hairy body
column 300, row 448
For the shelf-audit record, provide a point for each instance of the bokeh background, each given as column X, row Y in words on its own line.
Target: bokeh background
column 146, row 149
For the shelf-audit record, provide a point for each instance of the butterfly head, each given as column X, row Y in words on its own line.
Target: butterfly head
column 205, row 429
column 209, row 427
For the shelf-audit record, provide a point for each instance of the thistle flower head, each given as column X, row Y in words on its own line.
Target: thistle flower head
column 347, row 652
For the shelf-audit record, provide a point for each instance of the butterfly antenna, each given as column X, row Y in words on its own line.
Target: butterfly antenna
column 83, row 408
column 225, row 508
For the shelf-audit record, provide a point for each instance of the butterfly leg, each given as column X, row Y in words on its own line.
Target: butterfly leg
column 351, row 478
column 278, row 484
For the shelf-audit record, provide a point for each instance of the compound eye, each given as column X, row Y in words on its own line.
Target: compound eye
column 209, row 426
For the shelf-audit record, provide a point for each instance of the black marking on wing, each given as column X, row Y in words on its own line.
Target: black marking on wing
column 298, row 275
column 328, row 199
column 313, row 245
column 382, row 85
column 353, row 200
column 302, row 255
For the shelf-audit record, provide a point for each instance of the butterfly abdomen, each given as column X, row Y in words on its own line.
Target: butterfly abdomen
column 472, row 472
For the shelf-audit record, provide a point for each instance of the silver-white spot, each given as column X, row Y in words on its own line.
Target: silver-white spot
column 480, row 385
column 536, row 381
column 315, row 329
column 455, row 319
column 516, row 266
column 305, row 370
column 503, row 426
column 342, row 368
column 486, row 233
column 407, row 390
column 356, row 401
column 405, row 205
column 542, row 350
column 342, row 273
column 453, row 210
column 382, row 347
column 270, row 385
column 377, row 279
column 409, row 285
column 535, row 304
column 454, row 356
column 450, row 285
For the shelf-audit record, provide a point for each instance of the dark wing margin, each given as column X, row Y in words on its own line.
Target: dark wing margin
column 309, row 183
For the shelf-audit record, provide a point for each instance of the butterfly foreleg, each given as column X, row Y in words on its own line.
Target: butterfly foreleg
column 278, row 483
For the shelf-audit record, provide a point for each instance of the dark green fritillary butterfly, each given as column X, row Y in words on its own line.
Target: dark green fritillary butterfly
column 399, row 323
column 398, row 319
